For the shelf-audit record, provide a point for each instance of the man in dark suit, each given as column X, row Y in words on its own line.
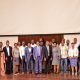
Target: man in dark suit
column 47, row 57
column 79, row 59
column 8, row 57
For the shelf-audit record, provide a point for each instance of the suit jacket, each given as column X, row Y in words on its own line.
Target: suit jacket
column 35, row 53
column 79, row 50
column 28, row 54
column 46, row 52
column 6, row 53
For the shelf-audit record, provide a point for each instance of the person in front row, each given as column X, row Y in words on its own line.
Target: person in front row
column 29, row 58
column 64, row 56
column 38, row 56
column 47, row 57
column 73, row 56
column 8, row 58
column 79, row 59
column 77, row 45
column 16, row 59
column 22, row 56
column 2, row 60
column 56, row 52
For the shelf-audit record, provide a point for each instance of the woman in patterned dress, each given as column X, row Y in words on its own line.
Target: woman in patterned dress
column 56, row 57
column 2, row 60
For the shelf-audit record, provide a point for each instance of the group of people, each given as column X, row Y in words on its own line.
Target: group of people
column 41, row 57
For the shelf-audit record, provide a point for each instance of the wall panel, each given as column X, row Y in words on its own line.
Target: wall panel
column 37, row 37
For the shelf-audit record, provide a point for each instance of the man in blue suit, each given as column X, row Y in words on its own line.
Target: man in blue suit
column 37, row 53
column 29, row 58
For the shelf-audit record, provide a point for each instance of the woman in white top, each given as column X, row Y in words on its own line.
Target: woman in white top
column 73, row 56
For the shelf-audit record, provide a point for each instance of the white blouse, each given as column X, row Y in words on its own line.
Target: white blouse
column 73, row 52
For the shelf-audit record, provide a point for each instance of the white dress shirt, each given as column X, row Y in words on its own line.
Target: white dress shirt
column 73, row 52
column 64, row 51
column 22, row 51
column 48, row 50
column 76, row 45
column 29, row 50
column 8, row 51
column 33, row 45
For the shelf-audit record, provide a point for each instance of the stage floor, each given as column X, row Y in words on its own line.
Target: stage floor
column 40, row 77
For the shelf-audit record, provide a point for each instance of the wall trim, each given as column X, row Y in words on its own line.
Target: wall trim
column 39, row 34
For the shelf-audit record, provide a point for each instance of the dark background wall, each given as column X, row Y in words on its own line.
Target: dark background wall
column 49, row 37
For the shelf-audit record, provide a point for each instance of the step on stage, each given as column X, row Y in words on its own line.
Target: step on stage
column 40, row 77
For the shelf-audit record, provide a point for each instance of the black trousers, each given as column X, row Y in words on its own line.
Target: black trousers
column 48, row 65
column 9, row 65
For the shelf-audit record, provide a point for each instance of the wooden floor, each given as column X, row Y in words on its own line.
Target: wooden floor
column 40, row 77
